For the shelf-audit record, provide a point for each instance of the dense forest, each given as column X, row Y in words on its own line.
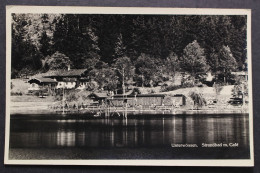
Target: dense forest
column 145, row 48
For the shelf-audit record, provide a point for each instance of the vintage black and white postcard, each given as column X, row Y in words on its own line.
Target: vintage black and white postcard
column 128, row 86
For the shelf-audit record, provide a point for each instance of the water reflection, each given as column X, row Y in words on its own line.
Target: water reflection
column 66, row 138
column 131, row 132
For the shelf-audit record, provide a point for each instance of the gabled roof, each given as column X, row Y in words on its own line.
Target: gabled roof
column 179, row 95
column 73, row 72
column 42, row 80
column 129, row 93
column 64, row 73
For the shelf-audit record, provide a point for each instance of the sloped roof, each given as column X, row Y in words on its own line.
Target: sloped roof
column 130, row 92
column 69, row 79
column 43, row 80
column 73, row 72
column 64, row 73
column 83, row 79
column 150, row 95
column 240, row 73
column 140, row 95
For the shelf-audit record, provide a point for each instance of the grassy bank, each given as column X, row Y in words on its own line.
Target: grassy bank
column 32, row 104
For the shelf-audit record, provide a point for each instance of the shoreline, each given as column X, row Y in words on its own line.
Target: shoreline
column 40, row 106
column 44, row 109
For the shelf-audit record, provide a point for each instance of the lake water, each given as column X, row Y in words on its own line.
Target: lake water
column 137, row 137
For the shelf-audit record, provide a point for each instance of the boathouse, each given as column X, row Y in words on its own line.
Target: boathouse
column 134, row 99
column 138, row 100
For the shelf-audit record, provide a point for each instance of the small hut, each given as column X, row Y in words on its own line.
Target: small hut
column 98, row 97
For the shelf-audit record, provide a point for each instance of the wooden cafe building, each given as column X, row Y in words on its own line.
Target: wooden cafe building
column 132, row 99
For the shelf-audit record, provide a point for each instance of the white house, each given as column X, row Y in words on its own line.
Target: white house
column 67, row 83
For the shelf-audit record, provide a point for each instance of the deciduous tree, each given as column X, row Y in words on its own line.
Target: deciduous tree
column 193, row 60
column 146, row 68
column 58, row 61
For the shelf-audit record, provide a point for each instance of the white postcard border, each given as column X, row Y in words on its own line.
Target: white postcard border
column 127, row 10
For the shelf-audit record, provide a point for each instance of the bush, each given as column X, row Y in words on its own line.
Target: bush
column 39, row 93
column 187, row 85
column 72, row 96
column 169, row 88
column 198, row 99
column 152, row 91
column 19, row 93
column 137, row 91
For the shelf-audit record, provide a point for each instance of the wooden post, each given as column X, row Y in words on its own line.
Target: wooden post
column 123, row 83
column 63, row 101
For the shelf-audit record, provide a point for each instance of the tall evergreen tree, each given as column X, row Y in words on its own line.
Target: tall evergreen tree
column 227, row 63
column 45, row 47
column 120, row 49
column 105, row 38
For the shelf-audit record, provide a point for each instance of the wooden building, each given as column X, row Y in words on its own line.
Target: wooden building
column 98, row 97
column 138, row 100
column 134, row 99
column 179, row 100
column 68, row 79
column 39, row 83
column 67, row 83
column 242, row 74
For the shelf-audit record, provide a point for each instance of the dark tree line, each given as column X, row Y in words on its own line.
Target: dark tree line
column 152, row 45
